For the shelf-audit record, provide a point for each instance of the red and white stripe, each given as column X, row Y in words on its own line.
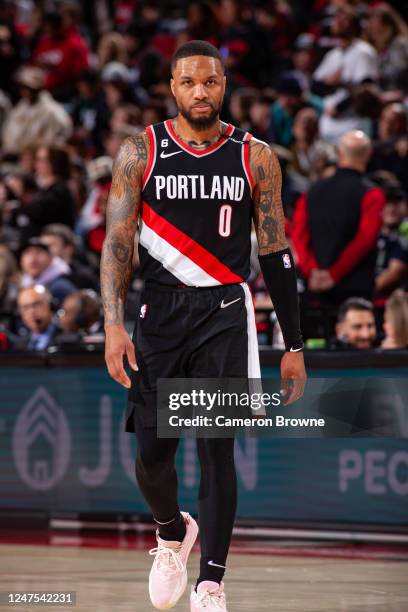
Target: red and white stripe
column 185, row 258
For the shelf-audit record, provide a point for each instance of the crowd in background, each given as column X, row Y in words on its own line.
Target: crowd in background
column 324, row 82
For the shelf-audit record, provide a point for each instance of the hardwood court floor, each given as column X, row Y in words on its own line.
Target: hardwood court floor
column 113, row 580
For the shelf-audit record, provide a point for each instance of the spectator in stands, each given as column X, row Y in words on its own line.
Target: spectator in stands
column 114, row 139
column 389, row 35
column 355, row 328
column 37, row 117
column 92, row 221
column 260, row 119
column 8, row 286
column 392, row 258
column 61, row 52
column 154, row 112
column 117, row 87
column 111, row 48
column 5, row 104
column 129, row 116
column 77, row 180
column 268, row 32
column 303, row 60
column 396, row 321
column 202, row 23
column 391, row 147
column 289, row 101
column 100, row 176
column 352, row 62
column 34, row 305
column 10, row 45
column 61, row 243
column 26, row 159
column 336, row 226
column 16, row 191
column 240, row 105
column 310, row 154
column 392, row 123
column 81, row 313
column 89, row 111
column 53, row 202
column 41, row 268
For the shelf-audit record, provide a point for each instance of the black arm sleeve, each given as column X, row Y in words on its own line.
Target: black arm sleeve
column 279, row 273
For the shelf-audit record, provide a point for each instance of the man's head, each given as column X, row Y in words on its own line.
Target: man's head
column 31, row 81
column 303, row 53
column 396, row 319
column 36, row 258
column 60, row 240
column 34, row 305
column 198, row 83
column 356, row 323
column 395, row 209
column 392, row 122
column 289, row 94
column 345, row 22
column 306, row 125
column 354, row 150
column 260, row 113
column 79, row 311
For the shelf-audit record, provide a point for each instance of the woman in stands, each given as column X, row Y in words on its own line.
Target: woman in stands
column 396, row 321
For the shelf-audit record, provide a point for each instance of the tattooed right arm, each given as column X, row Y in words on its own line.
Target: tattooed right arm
column 121, row 220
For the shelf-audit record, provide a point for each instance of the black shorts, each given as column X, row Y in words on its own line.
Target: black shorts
column 190, row 332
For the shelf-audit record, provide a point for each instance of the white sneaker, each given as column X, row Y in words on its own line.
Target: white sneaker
column 168, row 576
column 209, row 597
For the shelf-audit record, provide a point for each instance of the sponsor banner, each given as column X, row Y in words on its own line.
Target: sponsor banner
column 63, row 448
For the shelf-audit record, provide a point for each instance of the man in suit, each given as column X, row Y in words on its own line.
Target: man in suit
column 34, row 304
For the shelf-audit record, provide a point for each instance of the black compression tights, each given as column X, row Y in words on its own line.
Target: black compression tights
column 157, row 479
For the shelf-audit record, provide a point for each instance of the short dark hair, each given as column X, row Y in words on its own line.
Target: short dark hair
column 59, row 160
column 60, row 231
column 353, row 303
column 195, row 47
column 37, row 243
column 89, row 307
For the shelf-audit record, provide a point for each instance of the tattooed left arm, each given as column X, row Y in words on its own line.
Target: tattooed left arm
column 269, row 218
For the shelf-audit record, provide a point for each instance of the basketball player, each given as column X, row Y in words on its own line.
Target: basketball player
column 193, row 185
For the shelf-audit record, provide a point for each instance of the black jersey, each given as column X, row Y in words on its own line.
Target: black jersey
column 196, row 210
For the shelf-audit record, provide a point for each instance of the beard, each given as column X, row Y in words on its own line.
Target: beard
column 200, row 123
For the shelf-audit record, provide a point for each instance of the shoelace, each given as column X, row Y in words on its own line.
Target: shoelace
column 167, row 559
column 214, row 600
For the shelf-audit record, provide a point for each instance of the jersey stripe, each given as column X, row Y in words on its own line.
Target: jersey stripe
column 196, row 152
column 187, row 247
column 152, row 155
column 245, row 161
column 175, row 262
column 254, row 369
